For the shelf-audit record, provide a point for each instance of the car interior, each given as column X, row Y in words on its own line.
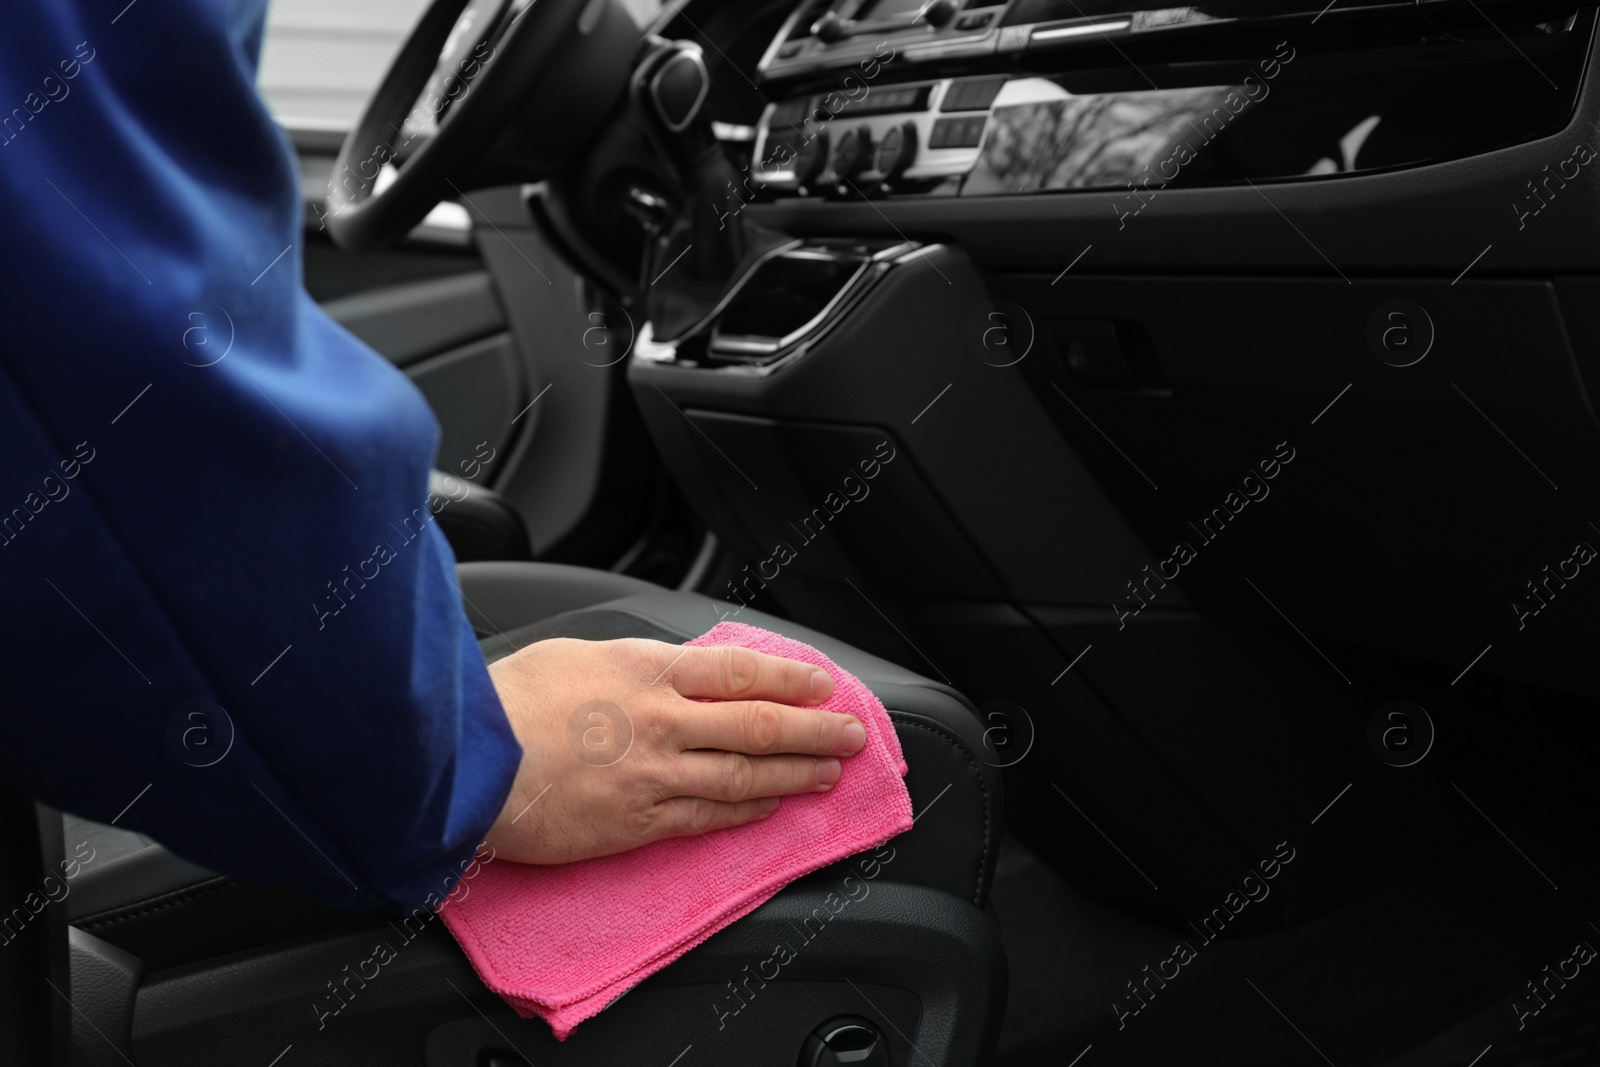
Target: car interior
column 1180, row 417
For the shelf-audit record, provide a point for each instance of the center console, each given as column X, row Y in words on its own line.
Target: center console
column 877, row 466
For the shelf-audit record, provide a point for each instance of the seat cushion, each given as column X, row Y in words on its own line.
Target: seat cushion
column 954, row 791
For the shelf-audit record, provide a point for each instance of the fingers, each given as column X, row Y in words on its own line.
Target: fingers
column 730, row 673
column 682, row 816
column 732, row 777
column 758, row 728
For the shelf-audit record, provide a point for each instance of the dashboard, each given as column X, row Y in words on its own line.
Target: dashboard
column 915, row 98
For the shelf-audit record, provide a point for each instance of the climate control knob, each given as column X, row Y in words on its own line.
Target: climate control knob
column 897, row 150
column 810, row 159
column 939, row 13
column 830, row 28
column 853, row 153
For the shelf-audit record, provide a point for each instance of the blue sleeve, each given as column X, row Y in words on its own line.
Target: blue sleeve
column 229, row 618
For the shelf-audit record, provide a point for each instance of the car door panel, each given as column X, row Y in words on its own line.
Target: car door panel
column 451, row 338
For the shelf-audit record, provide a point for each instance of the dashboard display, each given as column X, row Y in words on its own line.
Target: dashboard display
column 893, row 99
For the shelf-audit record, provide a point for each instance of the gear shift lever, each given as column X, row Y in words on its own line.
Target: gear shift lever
column 693, row 259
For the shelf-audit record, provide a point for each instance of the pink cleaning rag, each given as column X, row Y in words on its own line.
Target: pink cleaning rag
column 563, row 942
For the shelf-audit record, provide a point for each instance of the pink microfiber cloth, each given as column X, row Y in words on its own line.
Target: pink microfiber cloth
column 563, row 942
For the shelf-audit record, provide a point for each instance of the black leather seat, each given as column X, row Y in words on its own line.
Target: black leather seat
column 146, row 919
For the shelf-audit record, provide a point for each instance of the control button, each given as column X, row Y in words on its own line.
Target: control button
column 847, row 1039
column 896, row 151
column 790, row 50
column 808, row 161
column 972, row 94
column 974, row 22
column 853, row 153
column 939, row 13
column 790, row 112
column 830, row 28
column 964, row 132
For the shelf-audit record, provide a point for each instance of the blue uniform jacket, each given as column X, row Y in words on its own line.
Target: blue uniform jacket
column 228, row 618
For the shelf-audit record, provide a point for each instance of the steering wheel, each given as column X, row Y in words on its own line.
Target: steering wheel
column 483, row 92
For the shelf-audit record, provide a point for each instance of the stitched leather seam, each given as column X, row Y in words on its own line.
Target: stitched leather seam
column 154, row 904
column 983, row 858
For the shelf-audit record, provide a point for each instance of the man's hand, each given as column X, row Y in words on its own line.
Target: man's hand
column 625, row 742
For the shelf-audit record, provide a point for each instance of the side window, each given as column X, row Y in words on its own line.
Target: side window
column 322, row 59
column 644, row 12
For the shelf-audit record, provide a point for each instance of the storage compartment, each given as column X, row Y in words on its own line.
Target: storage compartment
column 786, row 294
column 788, row 301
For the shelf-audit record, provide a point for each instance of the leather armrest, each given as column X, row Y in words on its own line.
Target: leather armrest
column 955, row 793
